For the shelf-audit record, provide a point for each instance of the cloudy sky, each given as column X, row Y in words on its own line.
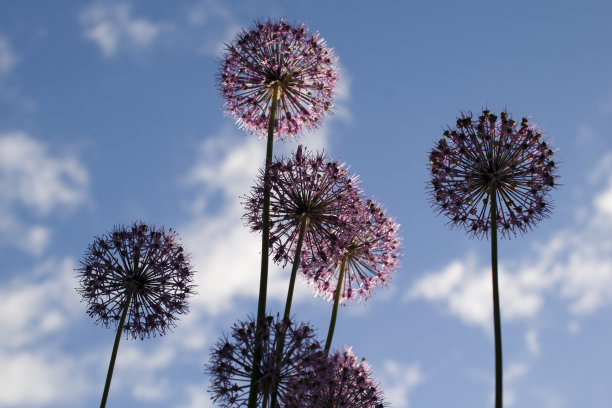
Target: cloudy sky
column 109, row 113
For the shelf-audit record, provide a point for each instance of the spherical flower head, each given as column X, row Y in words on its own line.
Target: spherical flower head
column 484, row 154
column 276, row 54
column 147, row 261
column 231, row 363
column 345, row 383
column 306, row 184
column 370, row 249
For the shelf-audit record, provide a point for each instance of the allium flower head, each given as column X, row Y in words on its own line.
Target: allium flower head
column 148, row 261
column 231, row 363
column 371, row 250
column 345, row 383
column 308, row 185
column 480, row 154
column 274, row 53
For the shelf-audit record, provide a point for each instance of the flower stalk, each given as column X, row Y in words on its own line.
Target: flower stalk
column 304, row 223
column 496, row 311
column 332, row 323
column 111, row 365
column 286, row 321
column 265, row 245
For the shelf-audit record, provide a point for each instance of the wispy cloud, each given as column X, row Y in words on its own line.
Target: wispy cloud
column 38, row 307
column 464, row 287
column 512, row 374
column 34, row 179
column 399, row 380
column 228, row 254
column 8, row 59
column 113, row 27
column 214, row 25
column 605, row 104
column 532, row 342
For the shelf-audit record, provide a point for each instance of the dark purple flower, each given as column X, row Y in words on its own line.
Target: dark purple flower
column 145, row 260
column 479, row 154
column 344, row 383
column 276, row 53
column 231, row 363
column 371, row 250
column 307, row 185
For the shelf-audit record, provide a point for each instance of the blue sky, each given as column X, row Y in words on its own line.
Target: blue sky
column 109, row 113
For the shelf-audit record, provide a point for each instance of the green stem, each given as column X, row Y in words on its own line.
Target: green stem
column 296, row 263
column 265, row 243
column 111, row 366
column 496, row 312
column 332, row 323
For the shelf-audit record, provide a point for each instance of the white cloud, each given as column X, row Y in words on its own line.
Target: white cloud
column 585, row 134
column 228, row 256
column 548, row 398
column 207, row 12
column 112, row 26
column 343, row 95
column 8, row 59
column 33, row 239
column 152, row 390
column 38, row 304
column 512, row 374
column 41, row 378
column 31, row 178
column 214, row 24
column 575, row 264
column 532, row 342
column 39, row 307
column 197, row 398
column 465, row 288
column 399, row 381
column 603, row 201
column 514, row 371
column 573, row 327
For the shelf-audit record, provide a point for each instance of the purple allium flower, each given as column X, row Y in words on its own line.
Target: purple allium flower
column 276, row 53
column 231, row 363
column 344, row 383
column 308, row 185
column 478, row 154
column 146, row 260
column 371, row 250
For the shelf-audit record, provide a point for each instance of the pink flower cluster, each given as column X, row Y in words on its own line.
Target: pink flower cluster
column 342, row 224
column 273, row 53
column 370, row 248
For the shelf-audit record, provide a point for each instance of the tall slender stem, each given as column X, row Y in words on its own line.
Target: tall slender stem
column 111, row 365
column 296, row 263
column 496, row 312
column 332, row 323
column 265, row 243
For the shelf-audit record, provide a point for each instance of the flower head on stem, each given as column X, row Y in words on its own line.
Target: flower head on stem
column 306, row 184
column 344, row 382
column 485, row 153
column 143, row 263
column 231, row 364
column 370, row 249
column 277, row 54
